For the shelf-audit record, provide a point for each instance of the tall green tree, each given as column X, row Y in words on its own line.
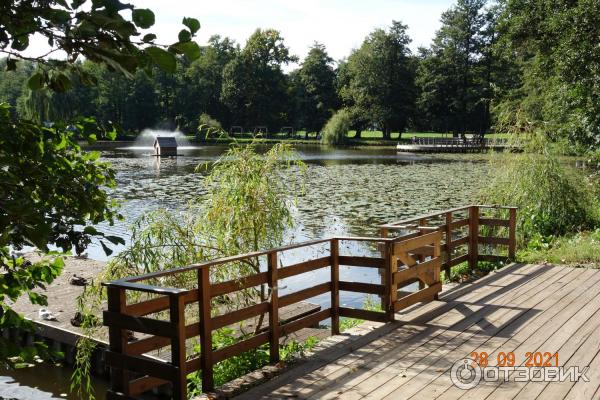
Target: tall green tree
column 379, row 79
column 452, row 73
column 203, row 82
column 254, row 85
column 314, row 90
column 556, row 43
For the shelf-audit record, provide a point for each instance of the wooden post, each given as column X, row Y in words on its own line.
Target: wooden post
column 273, row 309
column 447, row 268
column 335, row 287
column 422, row 222
column 512, row 233
column 473, row 237
column 391, row 289
column 119, row 378
column 178, row 350
column 206, row 364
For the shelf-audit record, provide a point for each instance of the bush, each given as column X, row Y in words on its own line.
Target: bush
column 553, row 198
column 335, row 130
column 208, row 126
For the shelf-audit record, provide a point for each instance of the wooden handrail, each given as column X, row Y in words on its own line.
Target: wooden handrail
column 419, row 253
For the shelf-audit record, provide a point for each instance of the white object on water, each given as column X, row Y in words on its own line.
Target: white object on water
column 46, row 315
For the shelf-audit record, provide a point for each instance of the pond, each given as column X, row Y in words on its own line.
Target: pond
column 348, row 192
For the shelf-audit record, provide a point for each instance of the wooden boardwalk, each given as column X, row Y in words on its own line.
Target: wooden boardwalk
column 520, row 309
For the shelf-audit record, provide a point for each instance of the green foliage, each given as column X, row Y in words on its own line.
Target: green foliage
column 458, row 73
column 208, row 126
column 313, row 89
column 254, row 86
column 244, row 207
column 553, row 199
column 580, row 248
column 336, row 129
column 378, row 80
column 39, row 163
column 74, row 29
column 370, row 304
column 556, row 42
column 20, row 278
column 245, row 363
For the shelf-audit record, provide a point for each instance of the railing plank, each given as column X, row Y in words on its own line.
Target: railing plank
column 221, row 288
column 304, row 294
column 493, row 240
column 459, row 223
column 369, row 262
column 138, row 324
column 239, row 315
column 494, row 222
column 360, row 287
column 303, row 267
column 416, row 297
column 145, row 383
column 142, row 365
column 362, row 314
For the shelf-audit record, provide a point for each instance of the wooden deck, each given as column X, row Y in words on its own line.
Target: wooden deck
column 521, row 308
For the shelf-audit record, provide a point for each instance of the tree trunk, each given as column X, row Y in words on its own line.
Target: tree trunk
column 358, row 133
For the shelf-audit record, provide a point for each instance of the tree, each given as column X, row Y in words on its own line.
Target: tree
column 556, row 43
column 254, row 86
column 98, row 32
column 39, row 162
column 202, row 93
column 451, row 75
column 314, row 90
column 379, row 79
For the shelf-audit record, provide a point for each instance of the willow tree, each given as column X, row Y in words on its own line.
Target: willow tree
column 244, row 204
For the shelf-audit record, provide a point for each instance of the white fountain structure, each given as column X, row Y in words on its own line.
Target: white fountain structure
column 146, row 140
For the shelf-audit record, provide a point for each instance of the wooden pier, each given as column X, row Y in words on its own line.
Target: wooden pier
column 452, row 145
column 521, row 309
column 410, row 252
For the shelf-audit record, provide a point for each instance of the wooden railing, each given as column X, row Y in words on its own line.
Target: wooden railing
column 167, row 317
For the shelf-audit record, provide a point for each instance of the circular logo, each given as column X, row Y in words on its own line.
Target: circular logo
column 464, row 374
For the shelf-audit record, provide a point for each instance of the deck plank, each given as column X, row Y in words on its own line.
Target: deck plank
column 311, row 384
column 523, row 308
column 513, row 336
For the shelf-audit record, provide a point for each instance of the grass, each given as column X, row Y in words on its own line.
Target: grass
column 581, row 248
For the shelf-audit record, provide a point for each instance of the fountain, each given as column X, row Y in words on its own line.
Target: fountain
column 146, row 140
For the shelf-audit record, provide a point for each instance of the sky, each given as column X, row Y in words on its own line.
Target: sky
column 340, row 25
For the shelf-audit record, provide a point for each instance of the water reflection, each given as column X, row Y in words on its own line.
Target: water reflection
column 42, row 382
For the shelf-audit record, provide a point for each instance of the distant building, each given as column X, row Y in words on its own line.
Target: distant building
column 165, row 146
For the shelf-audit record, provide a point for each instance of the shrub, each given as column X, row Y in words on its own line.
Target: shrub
column 208, row 126
column 553, row 198
column 335, row 130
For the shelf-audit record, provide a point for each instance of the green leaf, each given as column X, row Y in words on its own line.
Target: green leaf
column 20, row 43
column 111, row 135
column 143, row 17
column 59, row 16
column 192, row 23
column 60, row 82
column 11, row 64
column 106, row 249
column 184, row 35
column 149, row 37
column 36, row 81
column 190, row 49
column 165, row 60
column 115, row 239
